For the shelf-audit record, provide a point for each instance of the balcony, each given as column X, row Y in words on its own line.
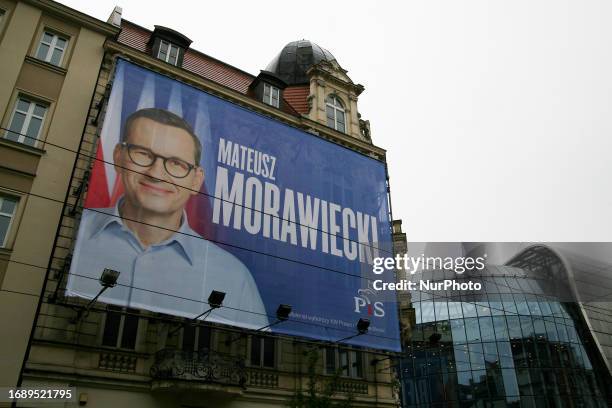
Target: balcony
column 205, row 370
column 262, row 378
column 120, row 362
column 351, row 387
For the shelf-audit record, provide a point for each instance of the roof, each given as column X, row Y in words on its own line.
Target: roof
column 137, row 37
column 297, row 97
column 294, row 60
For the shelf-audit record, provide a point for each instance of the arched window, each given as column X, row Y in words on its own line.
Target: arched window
column 335, row 113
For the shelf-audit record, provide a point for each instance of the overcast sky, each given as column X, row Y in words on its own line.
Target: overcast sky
column 496, row 115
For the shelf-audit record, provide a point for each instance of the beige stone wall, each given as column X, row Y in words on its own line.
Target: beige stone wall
column 38, row 176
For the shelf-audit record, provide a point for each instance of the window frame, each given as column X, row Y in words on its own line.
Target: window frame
column 52, row 46
column 5, row 14
column 196, row 340
column 269, row 98
column 168, row 51
column 334, row 102
column 7, row 237
column 262, row 341
column 122, row 312
column 26, row 123
column 351, row 354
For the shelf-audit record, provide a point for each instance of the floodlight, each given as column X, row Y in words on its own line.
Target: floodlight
column 362, row 328
column 363, row 325
column 282, row 314
column 215, row 300
column 109, row 277
column 283, row 311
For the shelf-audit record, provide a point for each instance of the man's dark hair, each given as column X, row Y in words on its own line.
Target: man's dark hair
column 166, row 118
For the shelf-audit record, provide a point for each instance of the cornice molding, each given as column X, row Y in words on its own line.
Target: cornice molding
column 319, row 72
column 34, row 151
column 67, row 13
column 46, row 65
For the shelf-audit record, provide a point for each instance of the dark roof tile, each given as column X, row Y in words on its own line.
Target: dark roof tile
column 297, row 97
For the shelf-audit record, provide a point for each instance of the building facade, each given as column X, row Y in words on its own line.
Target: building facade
column 51, row 58
column 518, row 343
column 126, row 357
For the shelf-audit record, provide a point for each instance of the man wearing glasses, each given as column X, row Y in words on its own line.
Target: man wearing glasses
column 164, row 265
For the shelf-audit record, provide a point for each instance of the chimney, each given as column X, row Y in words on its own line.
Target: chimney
column 115, row 17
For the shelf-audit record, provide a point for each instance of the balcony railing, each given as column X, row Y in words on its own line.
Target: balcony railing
column 352, row 387
column 125, row 363
column 261, row 378
column 202, row 366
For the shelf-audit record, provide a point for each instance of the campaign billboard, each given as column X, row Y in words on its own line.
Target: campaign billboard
column 190, row 193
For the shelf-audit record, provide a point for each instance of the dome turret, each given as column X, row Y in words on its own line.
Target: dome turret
column 295, row 59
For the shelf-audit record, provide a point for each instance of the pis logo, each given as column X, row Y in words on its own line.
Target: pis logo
column 363, row 300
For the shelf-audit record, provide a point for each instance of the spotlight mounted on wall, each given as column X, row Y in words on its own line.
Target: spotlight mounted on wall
column 108, row 279
column 363, row 325
column 282, row 314
column 362, row 328
column 215, row 301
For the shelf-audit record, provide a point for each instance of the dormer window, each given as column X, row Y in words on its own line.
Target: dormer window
column 271, row 95
column 168, row 52
column 168, row 45
column 268, row 88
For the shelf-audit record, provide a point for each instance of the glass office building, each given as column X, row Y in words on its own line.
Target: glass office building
column 515, row 343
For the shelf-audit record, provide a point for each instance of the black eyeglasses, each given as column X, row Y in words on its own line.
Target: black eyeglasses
column 144, row 157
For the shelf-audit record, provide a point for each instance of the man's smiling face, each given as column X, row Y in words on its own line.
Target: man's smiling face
column 153, row 189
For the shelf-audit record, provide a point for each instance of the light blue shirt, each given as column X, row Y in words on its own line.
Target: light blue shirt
column 186, row 266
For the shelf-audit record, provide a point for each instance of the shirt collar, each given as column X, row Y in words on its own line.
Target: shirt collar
column 106, row 217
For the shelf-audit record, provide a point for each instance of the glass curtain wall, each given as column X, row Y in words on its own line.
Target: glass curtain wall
column 511, row 347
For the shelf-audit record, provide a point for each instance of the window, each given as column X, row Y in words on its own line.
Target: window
column 263, row 351
column 120, row 328
column 3, row 18
column 347, row 361
column 7, row 212
column 196, row 338
column 271, row 95
column 168, row 52
column 335, row 113
column 26, row 122
column 330, row 360
column 52, row 48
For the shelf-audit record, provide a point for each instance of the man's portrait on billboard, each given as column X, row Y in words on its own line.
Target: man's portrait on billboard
column 164, row 265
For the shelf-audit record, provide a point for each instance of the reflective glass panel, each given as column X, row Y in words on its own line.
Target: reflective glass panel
column 458, row 331
column 486, row 329
column 471, row 329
